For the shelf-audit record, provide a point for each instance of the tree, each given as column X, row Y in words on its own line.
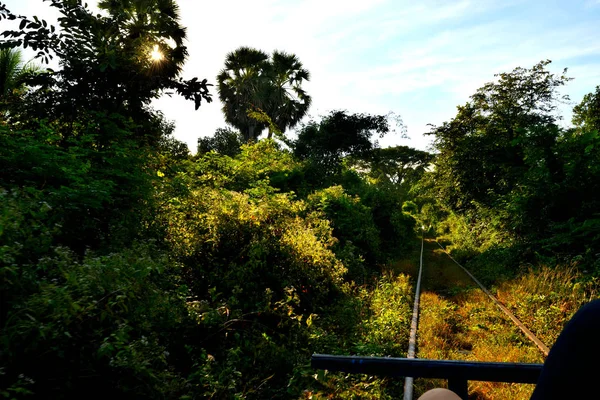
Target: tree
column 240, row 84
column 340, row 145
column 225, row 141
column 143, row 24
column 338, row 135
column 13, row 74
column 105, row 62
column 253, row 81
column 399, row 165
column 482, row 150
column 287, row 103
column 586, row 115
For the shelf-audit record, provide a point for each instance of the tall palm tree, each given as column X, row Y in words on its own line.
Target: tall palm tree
column 242, row 84
column 252, row 80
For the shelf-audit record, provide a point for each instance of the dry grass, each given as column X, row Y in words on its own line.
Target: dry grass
column 469, row 327
column 545, row 298
column 458, row 322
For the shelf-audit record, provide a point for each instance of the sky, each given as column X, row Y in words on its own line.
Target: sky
column 418, row 59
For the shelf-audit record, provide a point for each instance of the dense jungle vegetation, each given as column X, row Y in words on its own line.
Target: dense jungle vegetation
column 131, row 268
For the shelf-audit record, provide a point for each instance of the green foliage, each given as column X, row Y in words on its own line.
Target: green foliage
column 482, row 150
column 129, row 268
column 13, row 73
column 325, row 143
column 105, row 64
column 586, row 115
column 252, row 241
column 75, row 184
column 370, row 320
column 399, row 167
column 388, row 326
column 259, row 266
column 507, row 175
column 104, row 324
column 225, row 141
column 353, row 225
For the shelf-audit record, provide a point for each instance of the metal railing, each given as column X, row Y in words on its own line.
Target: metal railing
column 458, row 373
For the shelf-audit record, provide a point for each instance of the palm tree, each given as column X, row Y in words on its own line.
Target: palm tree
column 287, row 103
column 252, row 81
column 12, row 72
column 13, row 76
column 144, row 26
column 241, row 85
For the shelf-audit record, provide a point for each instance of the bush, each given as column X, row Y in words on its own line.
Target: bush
column 103, row 325
column 352, row 224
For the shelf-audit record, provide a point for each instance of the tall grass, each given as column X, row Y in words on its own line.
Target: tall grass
column 545, row 298
column 468, row 326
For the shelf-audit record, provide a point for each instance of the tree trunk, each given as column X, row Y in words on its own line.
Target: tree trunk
column 251, row 130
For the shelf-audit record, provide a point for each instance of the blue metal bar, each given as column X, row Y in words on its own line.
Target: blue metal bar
column 438, row 369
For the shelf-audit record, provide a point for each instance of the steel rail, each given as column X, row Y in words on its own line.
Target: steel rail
column 540, row 345
column 414, row 325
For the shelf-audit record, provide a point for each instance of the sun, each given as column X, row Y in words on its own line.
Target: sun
column 156, row 55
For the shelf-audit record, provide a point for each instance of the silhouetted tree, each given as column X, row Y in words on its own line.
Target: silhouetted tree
column 251, row 80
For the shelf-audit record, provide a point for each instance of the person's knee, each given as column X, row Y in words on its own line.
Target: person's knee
column 590, row 310
column 439, row 394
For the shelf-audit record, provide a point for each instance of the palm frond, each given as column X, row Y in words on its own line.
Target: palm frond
column 11, row 66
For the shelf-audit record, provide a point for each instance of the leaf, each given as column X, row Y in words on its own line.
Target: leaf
column 22, row 24
column 309, row 320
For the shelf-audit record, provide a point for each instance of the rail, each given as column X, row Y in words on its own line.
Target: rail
column 458, row 373
column 540, row 345
column 414, row 325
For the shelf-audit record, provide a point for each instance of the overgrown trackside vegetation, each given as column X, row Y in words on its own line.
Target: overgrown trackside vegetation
column 131, row 268
column 515, row 196
column 508, row 177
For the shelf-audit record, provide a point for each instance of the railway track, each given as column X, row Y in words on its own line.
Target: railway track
column 422, row 280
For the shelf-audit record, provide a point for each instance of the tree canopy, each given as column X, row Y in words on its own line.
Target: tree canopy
column 482, row 149
column 105, row 62
column 586, row 115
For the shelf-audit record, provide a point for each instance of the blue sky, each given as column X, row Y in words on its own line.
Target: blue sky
column 417, row 59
